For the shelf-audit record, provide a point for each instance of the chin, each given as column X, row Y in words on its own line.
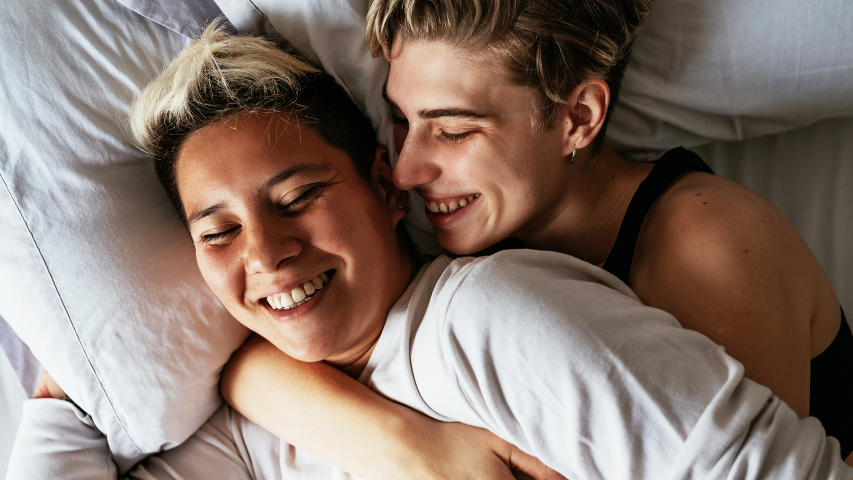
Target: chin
column 458, row 245
column 462, row 244
column 305, row 353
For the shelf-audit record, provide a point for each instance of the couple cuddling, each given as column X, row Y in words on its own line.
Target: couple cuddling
column 499, row 118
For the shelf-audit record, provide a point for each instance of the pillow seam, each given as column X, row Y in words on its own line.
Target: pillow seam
column 65, row 310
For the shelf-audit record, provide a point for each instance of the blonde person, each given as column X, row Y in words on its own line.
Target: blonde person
column 295, row 221
column 501, row 109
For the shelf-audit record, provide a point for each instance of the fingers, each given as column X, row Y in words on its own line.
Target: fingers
column 48, row 388
column 528, row 467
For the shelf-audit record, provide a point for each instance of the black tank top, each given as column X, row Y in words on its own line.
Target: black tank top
column 831, row 394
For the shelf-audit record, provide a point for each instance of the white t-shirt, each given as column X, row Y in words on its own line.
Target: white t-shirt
column 550, row 353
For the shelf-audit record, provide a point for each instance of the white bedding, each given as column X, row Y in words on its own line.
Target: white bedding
column 102, row 271
column 16, row 384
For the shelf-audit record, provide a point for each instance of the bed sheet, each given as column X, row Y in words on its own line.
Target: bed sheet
column 807, row 173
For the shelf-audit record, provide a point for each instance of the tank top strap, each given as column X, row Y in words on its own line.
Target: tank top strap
column 672, row 164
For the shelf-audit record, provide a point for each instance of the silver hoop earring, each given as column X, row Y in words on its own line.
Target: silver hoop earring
column 573, row 155
column 406, row 208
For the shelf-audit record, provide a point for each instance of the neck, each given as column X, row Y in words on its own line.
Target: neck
column 586, row 220
column 354, row 362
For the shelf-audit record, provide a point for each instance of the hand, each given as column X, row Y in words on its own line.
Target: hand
column 460, row 451
column 48, row 388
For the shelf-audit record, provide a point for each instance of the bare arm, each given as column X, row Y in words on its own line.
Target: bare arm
column 321, row 410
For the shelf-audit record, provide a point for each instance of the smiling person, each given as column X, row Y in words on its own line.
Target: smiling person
column 295, row 221
column 501, row 110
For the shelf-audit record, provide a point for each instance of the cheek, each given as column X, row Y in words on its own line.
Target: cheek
column 222, row 274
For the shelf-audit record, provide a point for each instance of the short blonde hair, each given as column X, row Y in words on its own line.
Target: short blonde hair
column 219, row 75
column 549, row 45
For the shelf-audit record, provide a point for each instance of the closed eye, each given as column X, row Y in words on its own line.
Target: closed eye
column 299, row 202
column 454, row 137
column 213, row 238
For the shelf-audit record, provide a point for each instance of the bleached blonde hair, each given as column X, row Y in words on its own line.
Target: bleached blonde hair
column 219, row 75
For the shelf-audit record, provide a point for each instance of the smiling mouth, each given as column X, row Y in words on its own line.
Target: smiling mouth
column 445, row 207
column 301, row 294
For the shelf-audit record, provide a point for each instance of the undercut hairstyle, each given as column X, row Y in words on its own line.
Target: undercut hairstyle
column 220, row 75
column 551, row 46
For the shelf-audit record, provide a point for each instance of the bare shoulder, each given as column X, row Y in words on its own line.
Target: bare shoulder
column 728, row 264
column 702, row 214
column 715, row 244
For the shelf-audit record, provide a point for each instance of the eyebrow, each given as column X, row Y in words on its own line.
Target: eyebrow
column 284, row 175
column 431, row 114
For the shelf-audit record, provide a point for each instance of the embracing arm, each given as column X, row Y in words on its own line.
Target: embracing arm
column 561, row 359
column 321, row 410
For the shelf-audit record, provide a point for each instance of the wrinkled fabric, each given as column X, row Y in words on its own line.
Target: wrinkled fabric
column 705, row 70
column 550, row 353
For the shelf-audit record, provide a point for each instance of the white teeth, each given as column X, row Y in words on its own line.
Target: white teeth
column 453, row 206
column 299, row 295
column 442, row 208
column 286, row 299
column 433, row 207
column 463, row 202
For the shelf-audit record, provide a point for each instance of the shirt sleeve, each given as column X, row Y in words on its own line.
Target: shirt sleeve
column 560, row 358
column 56, row 440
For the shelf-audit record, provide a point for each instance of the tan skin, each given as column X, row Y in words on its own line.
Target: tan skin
column 266, row 228
column 271, row 205
column 720, row 258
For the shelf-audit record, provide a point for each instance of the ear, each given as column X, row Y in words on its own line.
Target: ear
column 395, row 199
column 584, row 113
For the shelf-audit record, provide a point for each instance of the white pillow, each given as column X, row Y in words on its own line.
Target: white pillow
column 702, row 70
column 97, row 274
column 706, row 70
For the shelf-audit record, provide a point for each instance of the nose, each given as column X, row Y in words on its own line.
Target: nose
column 267, row 248
column 417, row 163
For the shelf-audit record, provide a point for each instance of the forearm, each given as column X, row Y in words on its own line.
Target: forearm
column 321, row 410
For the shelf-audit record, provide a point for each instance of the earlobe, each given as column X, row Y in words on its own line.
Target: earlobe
column 586, row 110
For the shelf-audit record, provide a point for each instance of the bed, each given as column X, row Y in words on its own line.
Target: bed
column 99, row 282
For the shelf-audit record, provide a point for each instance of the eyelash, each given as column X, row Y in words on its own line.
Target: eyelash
column 288, row 209
column 454, row 137
column 447, row 137
column 302, row 198
column 212, row 237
